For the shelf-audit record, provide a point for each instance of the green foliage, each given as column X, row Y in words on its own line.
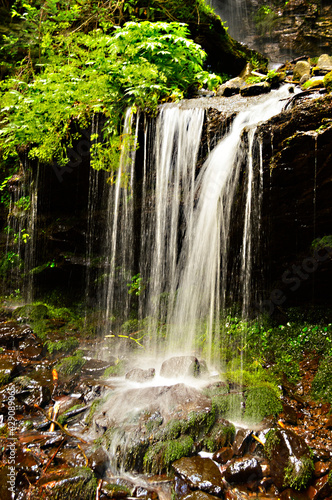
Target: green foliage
column 298, row 472
column 136, row 287
column 322, row 243
column 160, row 456
column 322, row 383
column 71, row 365
column 260, row 403
column 139, row 64
column 265, row 20
column 65, row 345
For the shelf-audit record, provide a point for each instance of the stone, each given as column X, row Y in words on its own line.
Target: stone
column 289, row 414
column 95, row 367
column 139, row 375
column 9, row 367
column 313, row 83
column 200, row 474
column 301, row 68
column 290, row 494
column 322, row 468
column 290, row 459
column 242, row 441
column 223, row 455
column 325, row 63
column 99, row 462
column 180, row 366
column 255, row 89
column 323, row 487
column 74, row 483
column 243, row 470
column 231, row 87
column 198, row 495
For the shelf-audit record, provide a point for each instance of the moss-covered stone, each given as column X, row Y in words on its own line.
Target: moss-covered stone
column 328, row 81
column 260, row 403
column 77, row 484
column 32, row 312
column 298, row 473
column 161, row 455
column 71, row 365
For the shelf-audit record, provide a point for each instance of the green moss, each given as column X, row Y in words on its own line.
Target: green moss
column 328, row 81
column 260, row 403
column 78, row 483
column 94, row 407
column 117, row 490
column 64, row 417
column 160, row 456
column 4, row 377
column 313, row 83
column 71, row 365
column 115, row 371
column 271, row 441
column 322, row 384
column 222, row 434
column 298, row 473
column 64, row 346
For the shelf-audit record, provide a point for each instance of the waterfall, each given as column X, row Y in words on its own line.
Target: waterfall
column 198, row 227
column 120, row 233
column 204, row 260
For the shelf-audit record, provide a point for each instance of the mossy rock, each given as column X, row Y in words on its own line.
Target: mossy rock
column 290, row 459
column 160, row 456
column 32, row 312
column 78, row 483
column 71, row 365
column 313, row 83
column 260, row 403
column 328, row 81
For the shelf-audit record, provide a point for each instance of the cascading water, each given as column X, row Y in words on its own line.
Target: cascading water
column 119, row 239
column 187, row 268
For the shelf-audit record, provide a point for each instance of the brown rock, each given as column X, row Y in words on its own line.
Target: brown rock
column 243, row 470
column 200, row 474
column 223, row 455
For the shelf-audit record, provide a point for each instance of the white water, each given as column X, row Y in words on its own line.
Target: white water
column 204, row 258
column 186, row 222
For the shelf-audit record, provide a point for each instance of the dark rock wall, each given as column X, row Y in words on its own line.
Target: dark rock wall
column 297, row 206
column 291, row 29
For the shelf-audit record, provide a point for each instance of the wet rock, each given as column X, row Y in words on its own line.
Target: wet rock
column 9, row 368
column 99, row 462
column 290, row 494
column 255, row 89
column 301, row 68
column 75, row 483
column 30, row 392
column 95, row 367
column 289, row 414
column 200, row 474
column 180, row 366
column 290, row 459
column 242, row 441
column 113, row 490
column 198, row 495
column 243, row 470
column 231, row 87
column 324, row 63
column 322, row 468
column 328, row 424
column 321, row 488
column 11, row 334
column 223, row 455
column 139, row 375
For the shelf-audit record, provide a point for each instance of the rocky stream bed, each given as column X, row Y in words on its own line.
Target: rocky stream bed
column 177, row 445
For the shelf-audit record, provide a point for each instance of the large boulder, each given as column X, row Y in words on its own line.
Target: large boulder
column 301, row 68
column 180, row 366
column 290, row 459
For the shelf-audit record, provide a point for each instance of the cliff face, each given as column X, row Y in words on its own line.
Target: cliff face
column 280, row 30
column 297, row 212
